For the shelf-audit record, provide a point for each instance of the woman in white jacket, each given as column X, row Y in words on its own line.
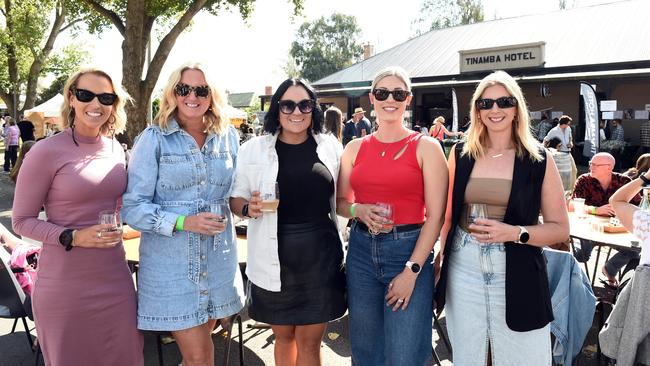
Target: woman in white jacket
column 295, row 256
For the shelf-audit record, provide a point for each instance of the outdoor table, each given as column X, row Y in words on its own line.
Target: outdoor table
column 132, row 249
column 581, row 228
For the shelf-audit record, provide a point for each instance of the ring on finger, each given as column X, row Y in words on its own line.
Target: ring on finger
column 99, row 235
column 489, row 236
column 399, row 301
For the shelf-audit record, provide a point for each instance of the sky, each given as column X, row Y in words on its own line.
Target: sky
column 247, row 56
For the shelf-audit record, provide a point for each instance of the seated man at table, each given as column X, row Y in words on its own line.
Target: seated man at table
column 596, row 187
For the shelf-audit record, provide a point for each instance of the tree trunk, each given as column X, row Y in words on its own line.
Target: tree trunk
column 137, row 118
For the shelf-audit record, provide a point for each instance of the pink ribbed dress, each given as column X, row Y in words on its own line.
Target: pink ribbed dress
column 84, row 300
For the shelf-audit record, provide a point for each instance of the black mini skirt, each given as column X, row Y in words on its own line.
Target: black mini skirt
column 312, row 277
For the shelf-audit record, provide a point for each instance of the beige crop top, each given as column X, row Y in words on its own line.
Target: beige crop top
column 494, row 192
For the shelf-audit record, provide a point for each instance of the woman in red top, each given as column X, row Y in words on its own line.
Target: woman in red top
column 388, row 265
column 438, row 130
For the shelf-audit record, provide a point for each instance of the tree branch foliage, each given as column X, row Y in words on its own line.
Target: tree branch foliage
column 438, row 14
column 135, row 19
column 27, row 40
column 326, row 45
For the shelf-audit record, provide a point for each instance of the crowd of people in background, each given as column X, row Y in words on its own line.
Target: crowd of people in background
column 191, row 171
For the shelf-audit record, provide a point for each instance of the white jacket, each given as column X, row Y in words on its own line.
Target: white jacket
column 257, row 162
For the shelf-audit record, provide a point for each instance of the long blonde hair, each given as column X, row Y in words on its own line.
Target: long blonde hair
column 116, row 122
column 215, row 118
column 522, row 137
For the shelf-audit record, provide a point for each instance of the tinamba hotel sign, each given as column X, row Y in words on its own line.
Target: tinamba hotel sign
column 501, row 58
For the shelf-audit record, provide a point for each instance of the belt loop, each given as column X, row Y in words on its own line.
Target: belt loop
column 394, row 232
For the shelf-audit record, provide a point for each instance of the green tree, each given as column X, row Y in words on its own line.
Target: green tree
column 438, row 14
column 134, row 19
column 326, row 45
column 27, row 40
column 564, row 4
column 55, row 88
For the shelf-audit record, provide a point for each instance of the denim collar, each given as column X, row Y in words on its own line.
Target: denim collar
column 172, row 126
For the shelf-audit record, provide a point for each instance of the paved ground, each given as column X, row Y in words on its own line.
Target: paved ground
column 258, row 343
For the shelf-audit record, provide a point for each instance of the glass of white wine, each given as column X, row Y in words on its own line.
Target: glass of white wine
column 270, row 194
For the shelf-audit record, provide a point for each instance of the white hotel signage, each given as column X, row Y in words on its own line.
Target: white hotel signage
column 501, row 58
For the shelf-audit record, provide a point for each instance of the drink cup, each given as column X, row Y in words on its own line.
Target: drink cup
column 270, row 194
column 222, row 210
column 110, row 217
column 579, row 206
column 387, row 214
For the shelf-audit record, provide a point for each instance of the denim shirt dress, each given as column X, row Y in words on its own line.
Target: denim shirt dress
column 185, row 278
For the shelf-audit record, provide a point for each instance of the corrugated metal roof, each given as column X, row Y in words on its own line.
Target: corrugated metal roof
column 599, row 34
column 240, row 100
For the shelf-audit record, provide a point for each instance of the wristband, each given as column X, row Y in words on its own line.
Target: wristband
column 593, row 210
column 180, row 221
column 352, row 209
column 646, row 181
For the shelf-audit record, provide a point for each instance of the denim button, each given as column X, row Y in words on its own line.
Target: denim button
column 204, row 274
column 203, row 256
column 204, row 292
column 202, row 182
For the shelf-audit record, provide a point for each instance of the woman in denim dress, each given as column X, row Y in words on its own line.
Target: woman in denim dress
column 189, row 275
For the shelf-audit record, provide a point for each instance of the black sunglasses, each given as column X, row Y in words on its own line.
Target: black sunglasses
column 183, row 90
column 398, row 94
column 503, row 102
column 86, row 96
column 305, row 106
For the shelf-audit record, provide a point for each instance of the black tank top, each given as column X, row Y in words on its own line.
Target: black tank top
column 305, row 183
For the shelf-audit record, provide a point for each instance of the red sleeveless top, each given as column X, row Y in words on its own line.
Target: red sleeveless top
column 376, row 178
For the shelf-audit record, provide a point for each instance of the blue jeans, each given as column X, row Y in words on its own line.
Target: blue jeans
column 378, row 335
column 476, row 309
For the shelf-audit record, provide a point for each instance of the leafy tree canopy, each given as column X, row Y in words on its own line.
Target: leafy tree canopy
column 326, row 45
column 438, row 14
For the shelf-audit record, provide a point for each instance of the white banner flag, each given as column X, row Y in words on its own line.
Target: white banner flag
column 454, row 104
column 592, row 135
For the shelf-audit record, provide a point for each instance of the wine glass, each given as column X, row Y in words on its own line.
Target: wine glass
column 222, row 210
column 387, row 214
column 110, row 217
column 476, row 211
column 270, row 194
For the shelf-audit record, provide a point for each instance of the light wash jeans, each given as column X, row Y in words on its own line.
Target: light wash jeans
column 378, row 335
column 476, row 310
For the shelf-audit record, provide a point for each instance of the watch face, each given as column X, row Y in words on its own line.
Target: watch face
column 523, row 237
column 415, row 268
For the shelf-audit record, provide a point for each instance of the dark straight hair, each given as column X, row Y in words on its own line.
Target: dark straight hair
column 272, row 118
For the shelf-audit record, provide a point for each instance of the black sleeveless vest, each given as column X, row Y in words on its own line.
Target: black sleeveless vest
column 528, row 299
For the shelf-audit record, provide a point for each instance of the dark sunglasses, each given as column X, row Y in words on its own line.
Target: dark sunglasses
column 398, row 94
column 503, row 102
column 305, row 106
column 86, row 96
column 183, row 90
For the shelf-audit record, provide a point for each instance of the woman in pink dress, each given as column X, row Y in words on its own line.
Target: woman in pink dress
column 84, row 300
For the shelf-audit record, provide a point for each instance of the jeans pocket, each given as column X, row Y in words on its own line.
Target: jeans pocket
column 459, row 241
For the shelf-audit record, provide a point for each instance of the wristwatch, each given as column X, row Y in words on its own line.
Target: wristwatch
column 66, row 238
column 244, row 210
column 413, row 267
column 523, row 235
